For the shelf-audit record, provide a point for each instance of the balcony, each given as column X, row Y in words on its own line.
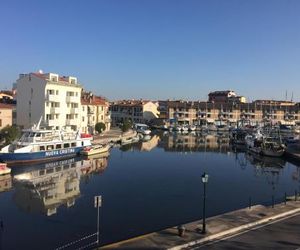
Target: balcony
column 51, row 123
column 70, row 122
column 72, row 99
column 74, row 111
column 53, row 98
column 54, row 110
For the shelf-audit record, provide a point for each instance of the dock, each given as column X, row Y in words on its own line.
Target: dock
column 217, row 228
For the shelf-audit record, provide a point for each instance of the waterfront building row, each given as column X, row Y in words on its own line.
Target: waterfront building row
column 198, row 113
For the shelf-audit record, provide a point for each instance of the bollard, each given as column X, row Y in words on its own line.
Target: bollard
column 272, row 201
column 250, row 202
column 181, row 230
column 285, row 198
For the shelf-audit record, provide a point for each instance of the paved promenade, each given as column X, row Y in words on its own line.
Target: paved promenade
column 217, row 227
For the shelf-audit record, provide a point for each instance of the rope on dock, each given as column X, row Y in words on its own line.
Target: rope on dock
column 76, row 241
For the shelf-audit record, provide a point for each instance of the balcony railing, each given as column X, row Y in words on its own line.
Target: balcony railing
column 74, row 110
column 72, row 99
column 71, row 122
column 53, row 98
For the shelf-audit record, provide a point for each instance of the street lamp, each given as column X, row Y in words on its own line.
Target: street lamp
column 204, row 180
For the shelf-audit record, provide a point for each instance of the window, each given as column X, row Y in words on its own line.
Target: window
column 66, row 145
column 57, row 92
column 42, row 148
column 83, row 118
column 73, row 144
column 49, row 170
column 58, row 146
column 0, row 122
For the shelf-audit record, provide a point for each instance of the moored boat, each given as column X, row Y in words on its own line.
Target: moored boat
column 4, row 169
column 267, row 145
column 142, row 129
column 37, row 144
column 95, row 149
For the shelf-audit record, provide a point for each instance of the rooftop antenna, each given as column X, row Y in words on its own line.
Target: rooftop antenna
column 286, row 95
column 292, row 96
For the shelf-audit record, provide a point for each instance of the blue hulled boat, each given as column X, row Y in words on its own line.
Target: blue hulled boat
column 38, row 144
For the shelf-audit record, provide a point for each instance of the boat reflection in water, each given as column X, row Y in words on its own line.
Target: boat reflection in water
column 147, row 143
column 5, row 182
column 274, row 163
column 45, row 187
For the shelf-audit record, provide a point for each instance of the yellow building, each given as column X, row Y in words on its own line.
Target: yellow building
column 6, row 115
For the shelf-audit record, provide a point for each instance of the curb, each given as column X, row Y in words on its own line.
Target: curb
column 235, row 230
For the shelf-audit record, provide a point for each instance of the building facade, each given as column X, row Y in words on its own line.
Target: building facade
column 187, row 112
column 95, row 109
column 137, row 111
column 57, row 99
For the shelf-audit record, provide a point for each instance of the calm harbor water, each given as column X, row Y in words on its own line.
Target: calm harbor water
column 145, row 187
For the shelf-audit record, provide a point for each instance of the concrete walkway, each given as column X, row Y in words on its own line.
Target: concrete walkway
column 217, row 228
column 113, row 135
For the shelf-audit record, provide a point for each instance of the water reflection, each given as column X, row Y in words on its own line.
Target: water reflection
column 187, row 142
column 44, row 188
column 5, row 182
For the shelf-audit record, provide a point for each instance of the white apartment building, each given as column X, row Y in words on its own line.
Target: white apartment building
column 57, row 99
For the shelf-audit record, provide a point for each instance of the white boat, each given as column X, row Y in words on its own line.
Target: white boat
column 192, row 127
column 4, row 169
column 95, row 149
column 38, row 144
column 185, row 128
column 178, row 128
column 142, row 128
column 130, row 139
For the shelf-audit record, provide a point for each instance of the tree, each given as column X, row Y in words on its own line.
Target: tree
column 100, row 127
column 127, row 124
column 10, row 133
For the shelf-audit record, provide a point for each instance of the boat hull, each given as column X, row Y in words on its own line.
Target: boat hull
column 95, row 151
column 20, row 158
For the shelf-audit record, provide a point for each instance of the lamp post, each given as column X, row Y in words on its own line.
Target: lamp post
column 204, row 180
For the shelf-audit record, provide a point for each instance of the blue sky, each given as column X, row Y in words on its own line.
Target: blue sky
column 156, row 49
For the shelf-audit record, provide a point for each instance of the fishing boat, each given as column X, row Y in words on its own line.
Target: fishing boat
column 130, row 139
column 4, row 169
column 95, row 149
column 268, row 145
column 38, row 144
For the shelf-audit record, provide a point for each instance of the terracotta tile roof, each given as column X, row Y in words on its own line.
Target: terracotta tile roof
column 6, row 106
column 86, row 99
